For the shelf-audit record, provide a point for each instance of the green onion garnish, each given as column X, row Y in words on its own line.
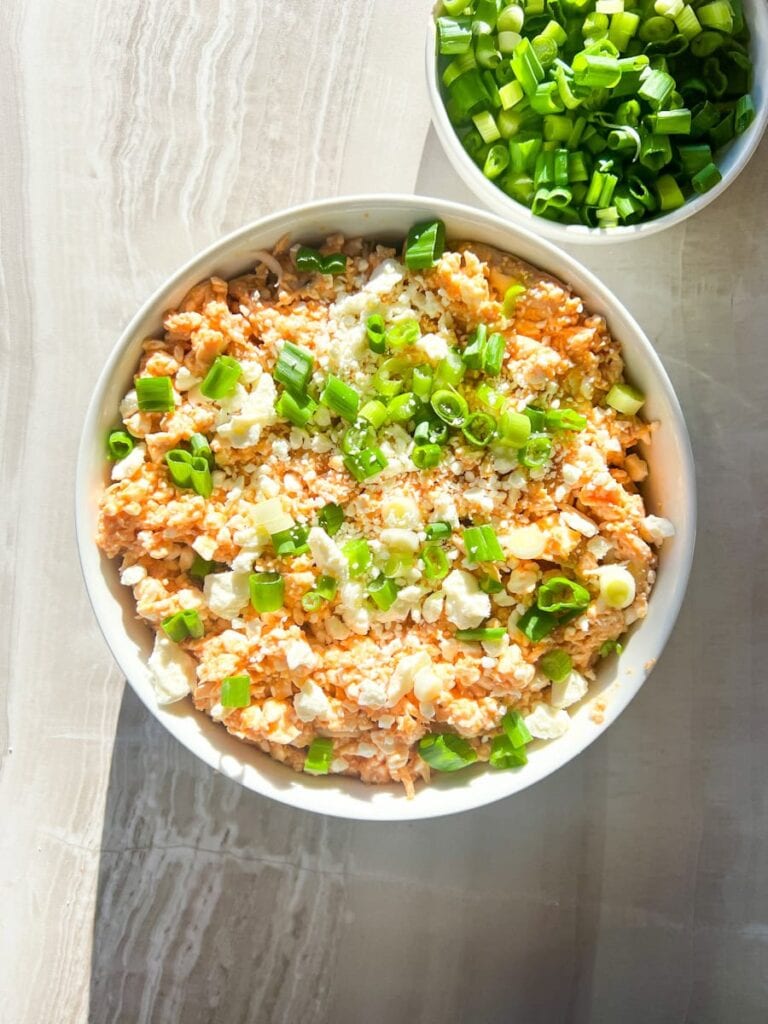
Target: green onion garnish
column 326, row 586
column 426, row 456
column 341, row 398
column 312, row 601
column 478, row 635
column 610, row 647
column 536, row 624
column 201, row 567
column 511, row 295
column 358, row 556
column 319, row 756
column 493, row 357
column 201, row 448
column 482, row 545
column 375, row 331
column 438, row 531
column 402, row 407
column 359, row 436
column 375, row 412
column 490, row 584
column 625, row 399
column 446, row 752
column 556, row 665
column 221, row 380
column 366, row 463
column 475, row 347
column 390, row 378
column 288, row 543
column 179, row 463
column 536, row 452
column 298, row 409
column 515, row 729
column 421, row 382
column 402, row 334
column 200, row 477
column 559, row 594
column 425, row 243
column 564, row 419
column 514, row 428
column 294, row 368
column 119, row 444
column 154, row 394
column 311, row 261
column 479, row 429
column 182, row 625
column 504, row 755
column 450, row 406
column 450, row 370
column 235, row 692
column 383, row 592
column 436, row 564
column 330, row 517
column 267, row 591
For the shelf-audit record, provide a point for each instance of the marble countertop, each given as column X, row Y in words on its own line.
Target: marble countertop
column 136, row 884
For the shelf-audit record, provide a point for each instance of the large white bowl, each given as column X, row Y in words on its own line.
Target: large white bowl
column 670, row 492
column 731, row 160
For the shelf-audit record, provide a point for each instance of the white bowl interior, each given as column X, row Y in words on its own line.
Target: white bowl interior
column 732, row 159
column 671, row 492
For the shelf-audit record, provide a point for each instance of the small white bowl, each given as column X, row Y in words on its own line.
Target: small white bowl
column 671, row 492
column 731, row 160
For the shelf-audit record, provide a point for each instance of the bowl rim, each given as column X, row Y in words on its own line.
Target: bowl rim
column 303, row 794
column 580, row 234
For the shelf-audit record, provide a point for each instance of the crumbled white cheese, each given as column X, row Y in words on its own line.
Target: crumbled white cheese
column 130, row 465
column 185, row 380
column 311, row 702
column 400, row 540
column 256, row 410
column 599, row 547
column 580, row 523
column 205, row 547
column 366, row 749
column 402, row 679
column 354, row 607
column 547, row 723
column 432, row 608
column 226, row 593
column 481, row 498
column 384, row 278
column 434, row 347
column 445, row 509
column 427, row 686
column 173, row 670
column 569, row 691
column 656, row 529
column 372, row 694
column 129, row 405
column 299, row 653
column 400, row 512
column 132, row 575
column 571, row 473
column 336, row 628
column 327, row 554
column 465, row 603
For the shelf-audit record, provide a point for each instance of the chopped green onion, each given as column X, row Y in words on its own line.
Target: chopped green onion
column 426, row 456
column 235, row 692
column 527, row 67
column 454, row 35
column 610, row 647
column 375, row 412
column 744, row 113
column 119, row 444
column 450, row 370
column 358, row 556
column 656, row 89
column 311, row 261
column 479, row 635
column 201, row 449
column 503, row 755
column 298, row 410
column 319, row 756
column 671, row 122
column 537, row 418
column 183, row 624
column 511, row 295
column 486, row 126
column 312, row 601
column 497, row 160
column 154, row 394
column 294, row 368
column 340, row 397
column 515, row 729
column 564, row 419
column 556, row 665
column 482, row 545
column 479, row 429
column 221, row 379
column 694, row 158
column 330, row 517
column 559, row 594
column 425, row 244
column 493, row 357
column 450, row 406
column 706, row 178
column 359, row 436
column 536, row 452
column 436, row 564
column 326, row 586
column 292, row 542
column 267, row 590
column 625, row 399
column 402, row 333
column 366, row 463
column 201, row 567
column 422, row 382
column 383, row 592
column 536, row 624
column 388, row 379
column 510, row 18
column 514, row 428
column 438, row 531
column 446, row 752
column 200, row 477
column 402, row 407
column 472, row 355
column 375, row 331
